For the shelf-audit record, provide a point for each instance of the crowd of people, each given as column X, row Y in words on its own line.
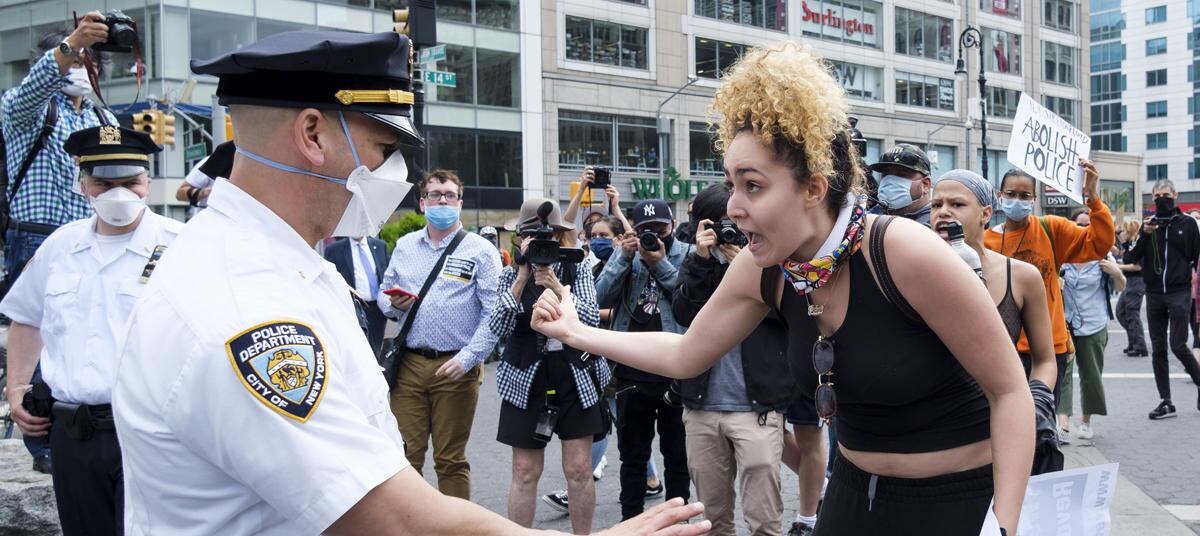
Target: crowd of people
column 790, row 296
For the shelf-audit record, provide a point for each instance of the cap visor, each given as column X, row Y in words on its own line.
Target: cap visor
column 116, row 172
column 402, row 124
column 878, row 167
column 564, row 227
column 653, row 220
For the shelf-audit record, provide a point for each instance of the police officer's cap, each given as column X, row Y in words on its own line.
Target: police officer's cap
column 111, row 152
column 354, row 72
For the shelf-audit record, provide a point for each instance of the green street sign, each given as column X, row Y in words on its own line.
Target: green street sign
column 432, row 54
column 441, row 78
column 195, row 152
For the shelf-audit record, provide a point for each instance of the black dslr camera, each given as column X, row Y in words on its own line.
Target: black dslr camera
column 601, row 179
column 648, row 240
column 728, row 233
column 122, row 33
column 544, row 250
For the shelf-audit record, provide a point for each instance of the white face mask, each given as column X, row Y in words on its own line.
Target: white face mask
column 118, row 206
column 80, row 84
column 376, row 193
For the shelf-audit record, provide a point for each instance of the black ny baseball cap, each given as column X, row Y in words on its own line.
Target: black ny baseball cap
column 906, row 156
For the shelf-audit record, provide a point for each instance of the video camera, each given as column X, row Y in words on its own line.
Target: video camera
column 728, row 233
column 122, row 33
column 544, row 250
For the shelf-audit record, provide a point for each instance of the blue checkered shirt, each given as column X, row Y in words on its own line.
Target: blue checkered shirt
column 514, row 383
column 455, row 315
column 47, row 194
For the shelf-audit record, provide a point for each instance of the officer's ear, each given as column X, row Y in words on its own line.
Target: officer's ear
column 311, row 134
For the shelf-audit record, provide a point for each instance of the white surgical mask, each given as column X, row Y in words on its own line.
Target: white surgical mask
column 80, row 84
column 375, row 193
column 118, row 206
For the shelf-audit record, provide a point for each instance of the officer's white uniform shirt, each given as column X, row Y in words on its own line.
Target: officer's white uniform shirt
column 213, row 441
column 79, row 298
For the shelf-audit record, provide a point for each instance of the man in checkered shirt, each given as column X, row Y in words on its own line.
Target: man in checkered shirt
column 48, row 197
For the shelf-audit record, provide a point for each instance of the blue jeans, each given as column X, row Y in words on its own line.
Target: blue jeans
column 19, row 247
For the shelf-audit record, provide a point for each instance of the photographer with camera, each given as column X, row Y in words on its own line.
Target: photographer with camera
column 637, row 283
column 733, row 412
column 595, row 178
column 547, row 389
column 1167, row 248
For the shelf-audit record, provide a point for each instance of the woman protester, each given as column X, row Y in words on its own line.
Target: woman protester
column 1048, row 242
column 933, row 412
column 965, row 197
column 547, row 388
column 1129, row 305
column 733, row 412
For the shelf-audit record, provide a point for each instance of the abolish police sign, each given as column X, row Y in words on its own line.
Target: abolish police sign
column 1049, row 148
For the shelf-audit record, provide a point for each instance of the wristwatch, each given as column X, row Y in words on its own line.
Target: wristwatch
column 67, row 50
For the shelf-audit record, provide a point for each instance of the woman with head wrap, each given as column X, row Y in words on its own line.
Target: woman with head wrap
column 1016, row 287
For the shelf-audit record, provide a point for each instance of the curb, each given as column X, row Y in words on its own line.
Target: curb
column 1133, row 512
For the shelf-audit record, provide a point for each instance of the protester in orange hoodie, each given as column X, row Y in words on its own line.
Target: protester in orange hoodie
column 1048, row 242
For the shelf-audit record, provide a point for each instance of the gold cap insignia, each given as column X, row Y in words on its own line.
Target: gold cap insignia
column 374, row 96
column 110, row 135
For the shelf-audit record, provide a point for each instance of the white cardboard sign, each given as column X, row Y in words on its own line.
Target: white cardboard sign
column 1047, row 147
column 1075, row 502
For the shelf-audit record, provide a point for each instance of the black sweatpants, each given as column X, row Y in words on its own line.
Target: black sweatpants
column 88, row 482
column 1170, row 310
column 639, row 407
column 1129, row 312
column 859, row 503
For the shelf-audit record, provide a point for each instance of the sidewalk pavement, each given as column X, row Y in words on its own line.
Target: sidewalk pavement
column 1133, row 512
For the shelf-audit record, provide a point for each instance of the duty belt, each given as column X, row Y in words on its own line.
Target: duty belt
column 82, row 421
column 40, row 228
column 429, row 353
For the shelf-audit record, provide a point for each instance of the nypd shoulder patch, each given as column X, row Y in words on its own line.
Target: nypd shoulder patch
column 283, row 364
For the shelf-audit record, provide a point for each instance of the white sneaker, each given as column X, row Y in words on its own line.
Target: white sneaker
column 1064, row 436
column 599, row 472
column 1085, row 431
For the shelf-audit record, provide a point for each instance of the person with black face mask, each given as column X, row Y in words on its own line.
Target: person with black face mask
column 1167, row 249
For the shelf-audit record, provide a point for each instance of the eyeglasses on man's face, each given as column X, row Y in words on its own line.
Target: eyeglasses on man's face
column 438, row 196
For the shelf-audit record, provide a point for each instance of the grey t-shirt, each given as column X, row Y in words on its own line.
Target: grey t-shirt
column 727, row 384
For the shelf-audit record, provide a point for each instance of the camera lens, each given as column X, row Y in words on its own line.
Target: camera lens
column 648, row 240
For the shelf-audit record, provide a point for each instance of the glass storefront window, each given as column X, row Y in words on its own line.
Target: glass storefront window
column 1118, row 195
column 214, row 34
column 481, row 158
column 847, row 21
column 501, row 70
column 1059, row 62
column 924, row 91
column 606, row 43
column 859, row 81
column 1002, row 102
column 459, row 60
column 1006, row 8
column 769, row 14
column 703, row 158
column 492, row 13
column 453, row 150
column 714, row 57
column 501, row 155
column 923, row 35
column 587, row 139
column 1006, row 51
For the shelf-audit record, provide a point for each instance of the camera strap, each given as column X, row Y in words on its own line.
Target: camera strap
column 89, row 63
column 402, row 339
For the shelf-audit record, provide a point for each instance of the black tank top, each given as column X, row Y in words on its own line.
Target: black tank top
column 899, row 389
column 1009, row 312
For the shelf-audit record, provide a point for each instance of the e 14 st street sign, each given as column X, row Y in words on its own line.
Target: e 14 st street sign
column 440, row 78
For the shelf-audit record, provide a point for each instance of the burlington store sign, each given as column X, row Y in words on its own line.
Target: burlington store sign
column 842, row 22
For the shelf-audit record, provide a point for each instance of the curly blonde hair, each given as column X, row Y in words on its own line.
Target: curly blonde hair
column 788, row 97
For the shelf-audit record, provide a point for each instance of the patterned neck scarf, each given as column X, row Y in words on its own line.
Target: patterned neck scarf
column 806, row 277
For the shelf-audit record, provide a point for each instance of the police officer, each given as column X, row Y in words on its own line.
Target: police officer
column 251, row 403
column 904, row 183
column 68, row 308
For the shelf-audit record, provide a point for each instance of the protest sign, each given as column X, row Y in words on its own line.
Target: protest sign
column 1073, row 502
column 1047, row 147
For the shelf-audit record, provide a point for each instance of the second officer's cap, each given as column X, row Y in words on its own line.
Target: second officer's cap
column 109, row 152
column 355, row 72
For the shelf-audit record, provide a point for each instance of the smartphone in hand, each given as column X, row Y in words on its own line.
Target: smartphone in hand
column 397, row 291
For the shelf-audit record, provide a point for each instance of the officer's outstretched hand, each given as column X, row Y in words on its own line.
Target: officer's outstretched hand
column 555, row 317
column 664, row 520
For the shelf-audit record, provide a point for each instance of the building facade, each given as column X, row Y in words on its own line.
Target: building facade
column 547, row 88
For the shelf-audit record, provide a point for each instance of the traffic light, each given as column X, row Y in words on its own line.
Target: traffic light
column 418, row 22
column 228, row 127
column 164, row 129
column 145, row 121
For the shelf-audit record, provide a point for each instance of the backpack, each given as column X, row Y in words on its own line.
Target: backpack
column 5, row 200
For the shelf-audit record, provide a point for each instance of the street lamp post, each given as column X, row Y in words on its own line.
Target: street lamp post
column 663, row 127
column 971, row 37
